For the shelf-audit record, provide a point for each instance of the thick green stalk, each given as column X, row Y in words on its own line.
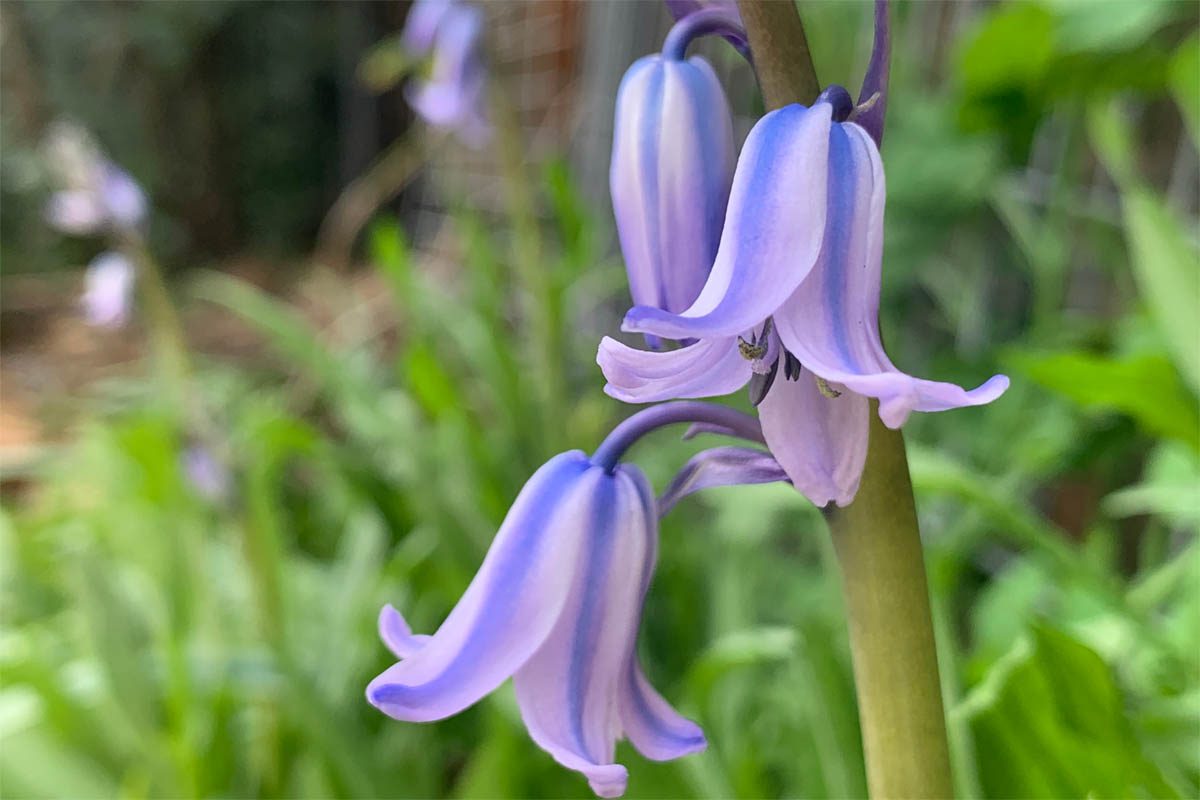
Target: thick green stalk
column 876, row 537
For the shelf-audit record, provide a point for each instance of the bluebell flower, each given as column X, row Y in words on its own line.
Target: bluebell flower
column 96, row 195
column 452, row 95
column 108, row 290
column 672, row 166
column 791, row 305
column 556, row 606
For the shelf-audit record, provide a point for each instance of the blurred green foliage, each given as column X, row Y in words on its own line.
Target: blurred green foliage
column 157, row 644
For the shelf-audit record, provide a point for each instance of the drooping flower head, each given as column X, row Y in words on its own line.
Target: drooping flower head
column 108, row 290
column 799, row 260
column 555, row 606
column 96, row 194
column 452, row 95
column 672, row 165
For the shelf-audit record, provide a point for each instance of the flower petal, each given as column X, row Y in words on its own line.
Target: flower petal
column 75, row 211
column 772, row 232
column 720, row 466
column 672, row 164
column 108, row 290
column 511, row 605
column 453, row 97
column 821, row 442
column 657, row 730
column 708, row 368
column 397, row 635
column 123, row 199
column 421, row 26
column 831, row 321
column 567, row 691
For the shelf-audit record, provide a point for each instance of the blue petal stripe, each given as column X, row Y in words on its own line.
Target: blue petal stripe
column 839, row 228
column 601, row 544
column 649, row 151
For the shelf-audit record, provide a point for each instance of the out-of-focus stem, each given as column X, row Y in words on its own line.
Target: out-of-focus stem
column 540, row 303
column 380, row 182
column 876, row 537
column 167, row 340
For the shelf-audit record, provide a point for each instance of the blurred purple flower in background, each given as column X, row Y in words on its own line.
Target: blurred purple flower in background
column 452, row 93
column 108, row 290
column 799, row 259
column 207, row 475
column 556, row 605
column 672, row 165
column 96, row 195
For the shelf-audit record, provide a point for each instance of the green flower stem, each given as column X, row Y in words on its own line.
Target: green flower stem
column 878, row 545
column 167, row 342
column 876, row 537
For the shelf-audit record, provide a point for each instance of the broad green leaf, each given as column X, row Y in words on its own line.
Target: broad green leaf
column 1049, row 721
column 1146, row 388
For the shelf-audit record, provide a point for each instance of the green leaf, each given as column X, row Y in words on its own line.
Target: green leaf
column 1049, row 721
column 1164, row 259
column 1184, row 78
column 1121, row 24
column 739, row 649
column 1146, row 388
column 1167, row 268
column 1013, row 48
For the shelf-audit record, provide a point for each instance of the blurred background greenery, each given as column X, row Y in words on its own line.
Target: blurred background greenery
column 164, row 638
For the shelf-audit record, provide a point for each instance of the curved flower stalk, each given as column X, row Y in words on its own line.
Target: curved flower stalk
column 108, row 290
column 681, row 9
column 557, row 603
column 672, row 166
column 452, row 94
column 96, row 195
column 800, row 260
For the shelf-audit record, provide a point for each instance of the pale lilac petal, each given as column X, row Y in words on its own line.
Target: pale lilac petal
column 672, row 166
column 772, row 232
column 421, row 26
column 831, row 322
column 122, row 198
column 75, row 211
column 108, row 290
column 567, row 691
column 821, row 442
column 720, row 466
column 511, row 605
column 657, row 730
column 708, row 368
column 397, row 635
